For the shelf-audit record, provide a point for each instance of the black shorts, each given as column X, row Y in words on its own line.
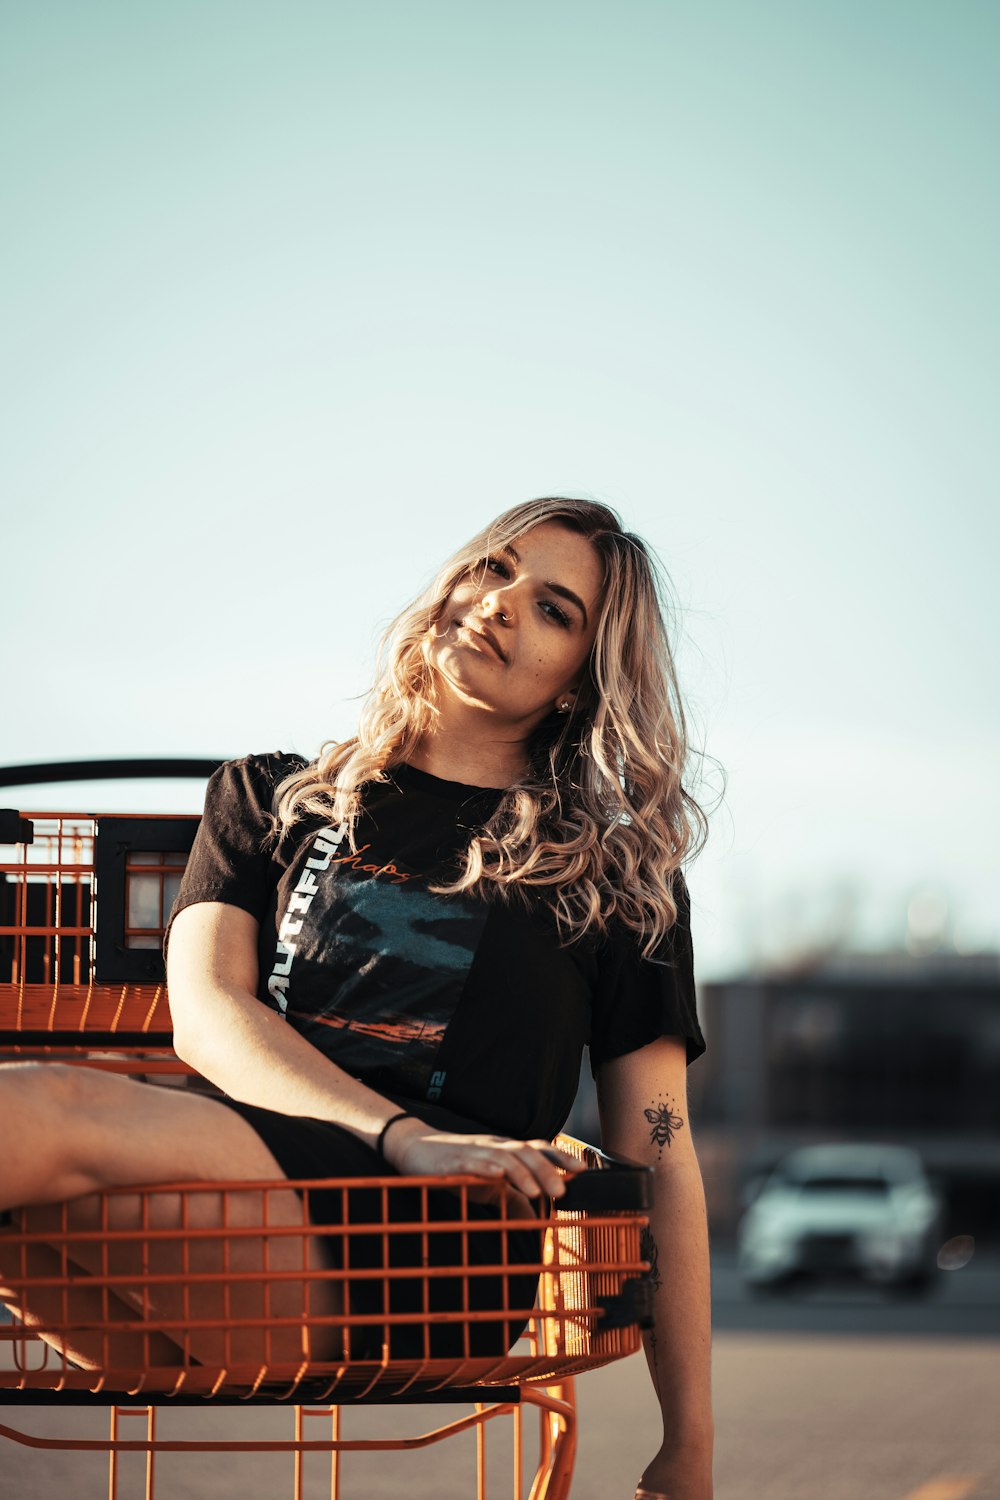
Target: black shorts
column 307, row 1148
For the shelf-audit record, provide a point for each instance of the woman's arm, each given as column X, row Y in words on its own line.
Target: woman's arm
column 251, row 1052
column 643, row 1105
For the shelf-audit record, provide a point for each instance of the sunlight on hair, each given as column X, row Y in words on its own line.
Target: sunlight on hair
column 601, row 821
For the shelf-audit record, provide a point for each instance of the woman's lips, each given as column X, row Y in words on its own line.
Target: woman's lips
column 483, row 633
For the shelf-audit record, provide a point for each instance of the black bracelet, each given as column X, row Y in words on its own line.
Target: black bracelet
column 403, row 1115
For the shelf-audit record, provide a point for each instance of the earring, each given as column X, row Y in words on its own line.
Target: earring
column 565, row 706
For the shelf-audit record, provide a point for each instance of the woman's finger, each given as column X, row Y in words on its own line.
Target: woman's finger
column 519, row 1174
column 532, row 1167
column 513, row 1160
column 527, row 1167
column 560, row 1158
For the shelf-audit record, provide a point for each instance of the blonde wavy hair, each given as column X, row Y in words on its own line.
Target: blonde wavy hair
column 600, row 822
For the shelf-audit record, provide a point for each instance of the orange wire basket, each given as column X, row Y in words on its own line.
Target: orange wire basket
column 381, row 1289
column 168, row 1290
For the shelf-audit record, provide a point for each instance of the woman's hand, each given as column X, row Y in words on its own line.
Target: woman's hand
column 532, row 1167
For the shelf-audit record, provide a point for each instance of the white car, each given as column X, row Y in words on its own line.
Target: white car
column 826, row 1212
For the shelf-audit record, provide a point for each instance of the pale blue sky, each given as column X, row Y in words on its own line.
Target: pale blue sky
column 296, row 297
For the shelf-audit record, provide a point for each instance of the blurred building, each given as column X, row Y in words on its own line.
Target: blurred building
column 885, row 1047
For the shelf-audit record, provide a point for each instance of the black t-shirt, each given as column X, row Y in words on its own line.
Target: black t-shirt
column 470, row 1004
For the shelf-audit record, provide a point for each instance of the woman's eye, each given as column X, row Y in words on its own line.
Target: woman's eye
column 498, row 566
column 555, row 613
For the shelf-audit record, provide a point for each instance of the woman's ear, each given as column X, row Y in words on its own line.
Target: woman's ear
column 564, row 703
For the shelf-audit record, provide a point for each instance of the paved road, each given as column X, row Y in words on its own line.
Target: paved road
column 819, row 1417
column 963, row 1303
column 816, row 1417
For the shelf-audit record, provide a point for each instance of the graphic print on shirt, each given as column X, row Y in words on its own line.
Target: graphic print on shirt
column 325, row 846
column 379, row 966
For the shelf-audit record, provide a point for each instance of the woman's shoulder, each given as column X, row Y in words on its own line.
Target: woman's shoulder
column 278, row 763
column 268, row 765
column 248, row 782
column 623, row 943
column 644, row 995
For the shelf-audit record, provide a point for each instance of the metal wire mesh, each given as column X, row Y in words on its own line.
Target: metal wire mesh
column 208, row 1289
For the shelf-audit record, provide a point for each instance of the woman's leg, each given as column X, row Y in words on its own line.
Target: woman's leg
column 72, row 1304
column 72, row 1133
column 376, row 1265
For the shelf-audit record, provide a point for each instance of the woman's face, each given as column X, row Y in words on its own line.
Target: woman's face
column 516, row 631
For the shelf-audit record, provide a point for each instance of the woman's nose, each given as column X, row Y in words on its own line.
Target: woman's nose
column 498, row 603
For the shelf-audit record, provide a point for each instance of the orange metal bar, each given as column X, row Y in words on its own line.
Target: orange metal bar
column 558, row 1440
column 263, row 1445
column 331, row 1414
column 150, row 1447
column 480, row 1455
column 518, row 1453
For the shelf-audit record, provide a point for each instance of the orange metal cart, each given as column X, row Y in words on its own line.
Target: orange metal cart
column 125, row 1298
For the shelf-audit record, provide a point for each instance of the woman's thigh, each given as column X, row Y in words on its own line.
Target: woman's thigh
column 73, row 1130
column 222, row 1276
column 81, row 1131
column 93, row 1131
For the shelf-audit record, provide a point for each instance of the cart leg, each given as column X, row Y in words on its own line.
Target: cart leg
column 481, row 1456
column 113, row 1457
column 301, row 1412
column 518, row 1416
column 151, row 1455
column 149, row 1412
column 557, row 1443
column 335, row 1454
column 298, row 1456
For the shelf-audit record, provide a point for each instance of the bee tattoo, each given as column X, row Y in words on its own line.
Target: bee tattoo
column 665, row 1125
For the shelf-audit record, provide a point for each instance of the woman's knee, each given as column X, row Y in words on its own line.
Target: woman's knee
column 33, row 1093
column 47, row 1113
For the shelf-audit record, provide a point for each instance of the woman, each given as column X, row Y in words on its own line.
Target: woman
column 439, row 914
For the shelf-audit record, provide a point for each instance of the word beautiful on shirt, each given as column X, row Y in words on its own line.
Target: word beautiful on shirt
column 324, row 856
